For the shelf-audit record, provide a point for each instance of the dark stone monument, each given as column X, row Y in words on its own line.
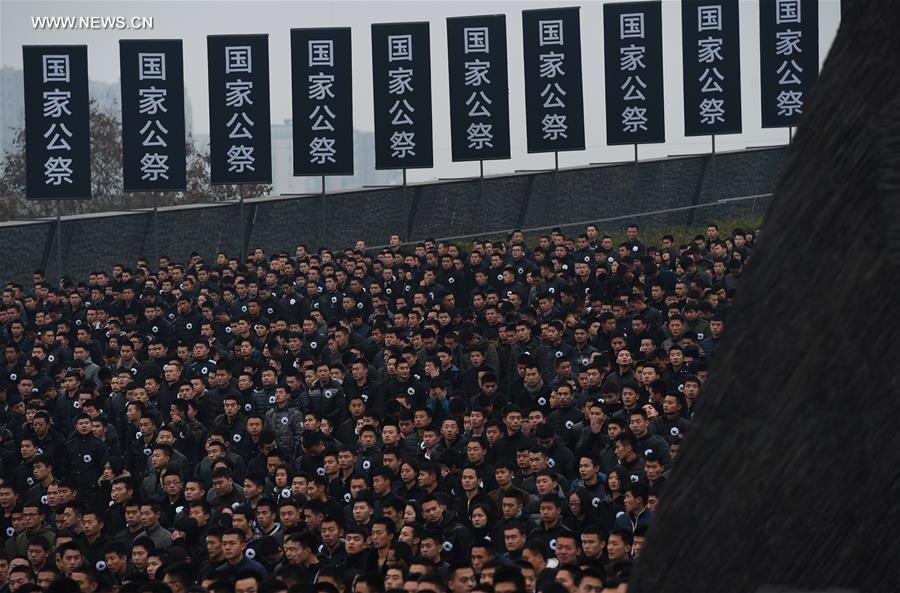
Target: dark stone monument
column 791, row 479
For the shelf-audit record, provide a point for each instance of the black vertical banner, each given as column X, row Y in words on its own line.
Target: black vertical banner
column 401, row 77
column 789, row 58
column 322, row 101
column 479, row 87
column 554, row 100
column 153, row 151
column 57, row 122
column 632, row 37
column 712, row 67
column 240, row 133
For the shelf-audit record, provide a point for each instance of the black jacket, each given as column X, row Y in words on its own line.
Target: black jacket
column 456, row 538
column 86, row 455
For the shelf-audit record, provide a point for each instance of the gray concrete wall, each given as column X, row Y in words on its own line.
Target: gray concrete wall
column 440, row 209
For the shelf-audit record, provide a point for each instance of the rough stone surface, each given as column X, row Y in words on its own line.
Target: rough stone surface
column 442, row 209
column 791, row 476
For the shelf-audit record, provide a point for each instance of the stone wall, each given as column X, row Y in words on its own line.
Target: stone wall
column 440, row 209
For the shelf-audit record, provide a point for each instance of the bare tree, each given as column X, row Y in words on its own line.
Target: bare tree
column 106, row 177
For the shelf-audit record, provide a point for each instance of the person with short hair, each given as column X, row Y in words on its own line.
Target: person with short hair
column 590, row 580
column 233, row 547
column 480, row 553
column 508, row 579
column 550, row 526
column 115, row 557
column 636, row 513
column 455, row 537
column 300, row 551
column 87, row 578
column 285, row 421
column 70, row 557
column 33, row 515
column 94, row 542
column 86, row 455
column 593, row 544
column 160, row 536
column 514, row 539
column 359, row 555
column 18, row 577
column 43, row 475
column 178, row 576
column 247, row 581
column 627, row 454
column 331, row 531
column 618, row 546
column 224, row 492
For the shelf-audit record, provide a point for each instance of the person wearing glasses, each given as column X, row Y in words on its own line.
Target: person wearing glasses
column 33, row 515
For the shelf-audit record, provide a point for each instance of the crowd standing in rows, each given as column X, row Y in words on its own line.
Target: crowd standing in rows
column 439, row 418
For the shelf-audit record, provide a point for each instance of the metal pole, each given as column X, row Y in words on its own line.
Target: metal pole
column 556, row 174
column 636, row 172
column 480, row 180
column 404, row 185
column 790, row 134
column 243, row 226
column 59, row 241
column 156, row 228
column 322, row 216
column 715, row 178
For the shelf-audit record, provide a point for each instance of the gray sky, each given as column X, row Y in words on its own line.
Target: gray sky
column 193, row 20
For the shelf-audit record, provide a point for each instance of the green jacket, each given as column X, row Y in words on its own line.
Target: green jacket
column 19, row 545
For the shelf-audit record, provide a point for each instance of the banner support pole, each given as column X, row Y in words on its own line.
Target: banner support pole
column 480, row 179
column 322, row 215
column 790, row 135
column 636, row 172
column 156, row 227
column 404, row 185
column 714, row 176
column 556, row 175
column 243, row 230
column 59, row 250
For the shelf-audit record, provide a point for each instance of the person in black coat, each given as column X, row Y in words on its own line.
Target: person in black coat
column 86, row 456
column 437, row 517
column 359, row 556
column 506, row 447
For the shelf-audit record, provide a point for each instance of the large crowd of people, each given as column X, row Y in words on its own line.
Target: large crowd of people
column 499, row 416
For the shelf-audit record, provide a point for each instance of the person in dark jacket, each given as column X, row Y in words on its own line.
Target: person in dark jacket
column 48, row 441
column 224, row 493
column 456, row 536
column 559, row 457
column 93, row 541
column 236, row 562
column 68, row 403
column 671, row 424
column 264, row 397
column 358, row 555
column 232, row 420
column 506, row 447
column 710, row 343
column 324, row 396
column 86, row 456
column 370, row 391
column 636, row 512
column 567, row 414
column 648, row 442
column 550, row 526
column 285, row 422
column 186, row 324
